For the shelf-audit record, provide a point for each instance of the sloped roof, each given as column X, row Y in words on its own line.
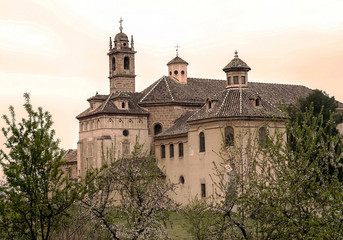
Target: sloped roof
column 70, row 155
column 177, row 59
column 180, row 126
column 236, row 64
column 108, row 107
column 168, row 90
column 236, row 102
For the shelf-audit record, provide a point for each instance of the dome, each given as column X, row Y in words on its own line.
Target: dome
column 236, row 64
column 121, row 37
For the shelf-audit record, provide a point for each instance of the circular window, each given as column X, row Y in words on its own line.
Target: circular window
column 124, row 44
column 170, row 73
column 176, row 72
column 126, row 132
column 182, row 72
column 182, row 180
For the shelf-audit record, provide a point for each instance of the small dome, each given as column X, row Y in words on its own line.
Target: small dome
column 236, row 64
column 121, row 37
column 177, row 60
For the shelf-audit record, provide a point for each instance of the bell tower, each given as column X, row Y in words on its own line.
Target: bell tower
column 121, row 63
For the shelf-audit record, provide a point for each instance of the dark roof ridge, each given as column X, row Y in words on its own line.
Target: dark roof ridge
column 208, row 79
column 284, row 84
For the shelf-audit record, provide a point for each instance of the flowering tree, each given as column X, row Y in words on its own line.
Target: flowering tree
column 129, row 197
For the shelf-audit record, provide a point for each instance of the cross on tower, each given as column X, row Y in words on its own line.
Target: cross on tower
column 177, row 49
column 121, row 27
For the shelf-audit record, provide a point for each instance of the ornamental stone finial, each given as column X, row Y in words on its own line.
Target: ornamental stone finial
column 236, row 54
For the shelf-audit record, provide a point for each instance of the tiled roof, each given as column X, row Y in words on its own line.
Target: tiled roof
column 169, row 90
column 177, row 60
column 108, row 107
column 236, row 64
column 70, row 155
column 180, row 126
column 236, row 102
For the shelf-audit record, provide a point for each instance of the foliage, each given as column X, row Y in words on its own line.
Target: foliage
column 37, row 193
column 323, row 107
column 290, row 195
column 129, row 197
column 200, row 219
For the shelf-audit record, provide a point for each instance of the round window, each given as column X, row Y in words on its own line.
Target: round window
column 170, row 73
column 182, row 180
column 126, row 132
column 176, row 72
column 124, row 44
column 182, row 72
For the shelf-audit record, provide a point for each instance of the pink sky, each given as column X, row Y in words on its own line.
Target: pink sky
column 56, row 50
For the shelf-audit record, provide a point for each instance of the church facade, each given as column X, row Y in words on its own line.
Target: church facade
column 184, row 120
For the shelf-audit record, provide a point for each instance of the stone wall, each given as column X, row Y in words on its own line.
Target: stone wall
column 165, row 115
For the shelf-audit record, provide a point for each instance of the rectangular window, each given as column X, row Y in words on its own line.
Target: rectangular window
column 235, row 80
column 163, row 151
column 201, row 142
column 171, row 150
column 229, row 81
column 243, row 79
column 203, row 190
column 180, row 149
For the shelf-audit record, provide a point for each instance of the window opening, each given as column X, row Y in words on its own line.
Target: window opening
column 243, row 79
column 202, row 142
column 235, row 80
column 171, row 150
column 163, row 151
column 157, row 129
column 203, row 190
column 126, row 63
column 126, row 132
column 229, row 136
column 180, row 149
column 182, row 180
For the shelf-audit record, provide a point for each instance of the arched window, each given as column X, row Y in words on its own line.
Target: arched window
column 202, row 142
column 113, row 64
column 126, row 63
column 229, row 136
column 180, row 149
column 171, row 150
column 123, row 105
column 157, row 129
column 262, row 135
column 163, row 151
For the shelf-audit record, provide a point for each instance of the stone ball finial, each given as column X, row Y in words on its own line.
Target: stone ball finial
column 236, row 54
